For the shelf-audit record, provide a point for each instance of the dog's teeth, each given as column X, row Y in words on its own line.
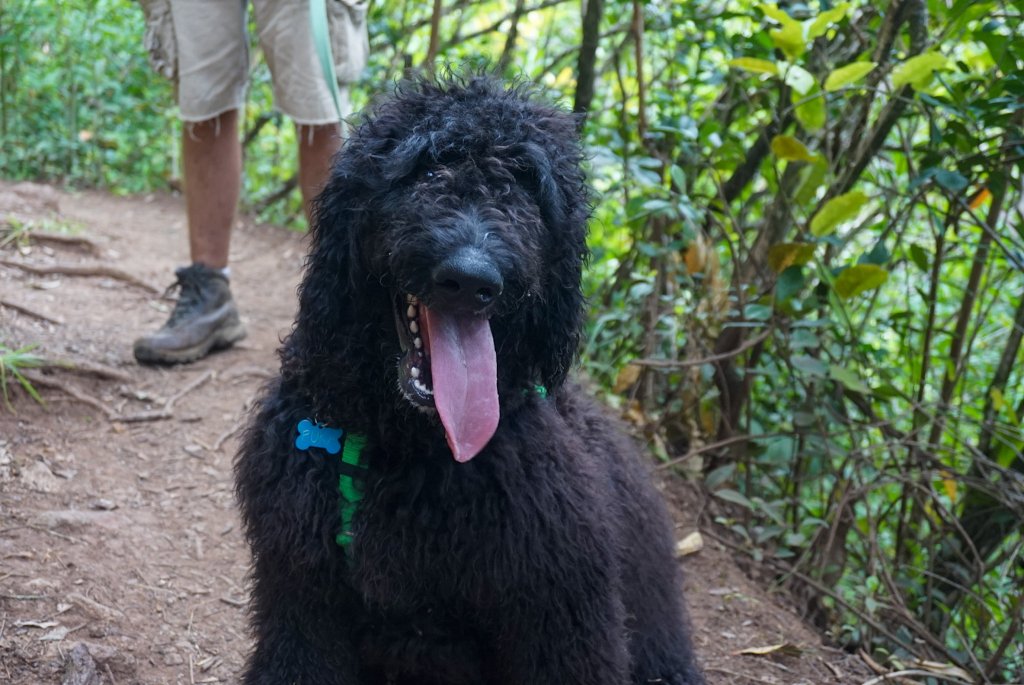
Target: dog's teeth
column 418, row 342
column 414, row 327
column 411, row 311
column 414, row 372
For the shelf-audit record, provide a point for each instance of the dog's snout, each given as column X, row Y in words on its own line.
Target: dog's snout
column 467, row 280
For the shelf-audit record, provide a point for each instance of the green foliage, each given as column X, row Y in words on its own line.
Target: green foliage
column 807, row 250
column 12, row 364
column 77, row 99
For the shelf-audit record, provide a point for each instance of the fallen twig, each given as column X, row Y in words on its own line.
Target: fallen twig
column 87, row 368
column 60, row 239
column 902, row 676
column 69, row 390
column 169, row 404
column 143, row 416
column 99, row 610
column 100, row 270
column 25, row 309
column 224, row 436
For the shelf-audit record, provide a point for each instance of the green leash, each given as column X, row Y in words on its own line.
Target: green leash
column 322, row 44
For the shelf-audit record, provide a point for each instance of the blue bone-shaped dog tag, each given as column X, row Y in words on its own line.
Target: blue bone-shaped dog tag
column 318, row 435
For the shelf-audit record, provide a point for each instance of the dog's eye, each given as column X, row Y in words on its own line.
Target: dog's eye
column 430, row 174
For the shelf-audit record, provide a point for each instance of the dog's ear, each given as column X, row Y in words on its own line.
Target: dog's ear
column 556, row 180
column 332, row 279
column 332, row 288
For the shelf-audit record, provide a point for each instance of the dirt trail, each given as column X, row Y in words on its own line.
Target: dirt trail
column 118, row 529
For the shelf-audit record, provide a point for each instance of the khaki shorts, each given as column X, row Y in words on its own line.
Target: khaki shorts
column 203, row 47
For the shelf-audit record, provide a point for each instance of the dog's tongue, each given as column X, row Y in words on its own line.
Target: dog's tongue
column 464, row 374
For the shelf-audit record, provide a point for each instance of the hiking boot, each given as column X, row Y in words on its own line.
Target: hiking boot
column 204, row 319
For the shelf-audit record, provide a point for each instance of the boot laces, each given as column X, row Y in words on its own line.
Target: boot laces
column 191, row 295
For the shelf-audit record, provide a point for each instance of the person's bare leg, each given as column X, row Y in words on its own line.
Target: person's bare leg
column 205, row 317
column 317, row 145
column 212, row 160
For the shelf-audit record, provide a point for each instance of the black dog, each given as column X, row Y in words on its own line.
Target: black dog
column 428, row 502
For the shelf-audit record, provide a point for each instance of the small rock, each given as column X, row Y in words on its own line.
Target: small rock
column 38, row 477
column 691, row 544
column 193, row 450
column 80, row 667
column 102, row 654
column 55, row 635
column 103, row 505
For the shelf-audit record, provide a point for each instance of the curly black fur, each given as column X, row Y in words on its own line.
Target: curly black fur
column 548, row 558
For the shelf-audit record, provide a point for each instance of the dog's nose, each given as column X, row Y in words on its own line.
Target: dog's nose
column 467, row 280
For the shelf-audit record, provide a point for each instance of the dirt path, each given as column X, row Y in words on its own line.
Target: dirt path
column 120, row 534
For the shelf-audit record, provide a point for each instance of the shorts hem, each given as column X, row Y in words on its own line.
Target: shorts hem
column 192, row 119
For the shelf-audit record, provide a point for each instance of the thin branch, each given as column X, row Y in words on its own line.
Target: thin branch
column 25, row 309
column 435, row 36
column 684, row 363
column 585, row 65
column 513, row 36
column 497, row 24
column 97, row 270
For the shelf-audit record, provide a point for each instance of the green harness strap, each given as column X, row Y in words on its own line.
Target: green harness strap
column 351, row 492
column 350, row 489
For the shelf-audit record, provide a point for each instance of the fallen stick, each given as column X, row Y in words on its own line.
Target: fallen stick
column 100, row 270
column 87, row 368
column 224, row 436
column 143, row 416
column 60, row 239
column 169, row 404
column 69, row 390
column 25, row 309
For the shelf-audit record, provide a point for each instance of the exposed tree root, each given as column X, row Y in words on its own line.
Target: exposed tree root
column 98, row 270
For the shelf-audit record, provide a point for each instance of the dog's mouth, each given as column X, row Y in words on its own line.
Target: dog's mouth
column 449, row 365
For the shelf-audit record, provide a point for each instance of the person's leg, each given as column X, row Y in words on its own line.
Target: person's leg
column 300, row 89
column 212, row 71
column 317, row 145
column 212, row 161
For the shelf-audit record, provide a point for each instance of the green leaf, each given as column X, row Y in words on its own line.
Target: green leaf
column 810, row 109
column 758, row 66
column 810, row 365
column 851, row 73
column 950, row 180
column 790, row 39
column 917, row 71
column 790, row 282
column 678, row 177
column 811, row 179
column 848, row 378
column 784, row 255
column 779, row 15
column 734, row 497
column 823, row 21
column 836, row 211
column 791, row 149
column 719, row 476
column 799, row 79
column 859, row 278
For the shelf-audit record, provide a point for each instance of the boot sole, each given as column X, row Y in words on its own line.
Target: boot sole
column 222, row 338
